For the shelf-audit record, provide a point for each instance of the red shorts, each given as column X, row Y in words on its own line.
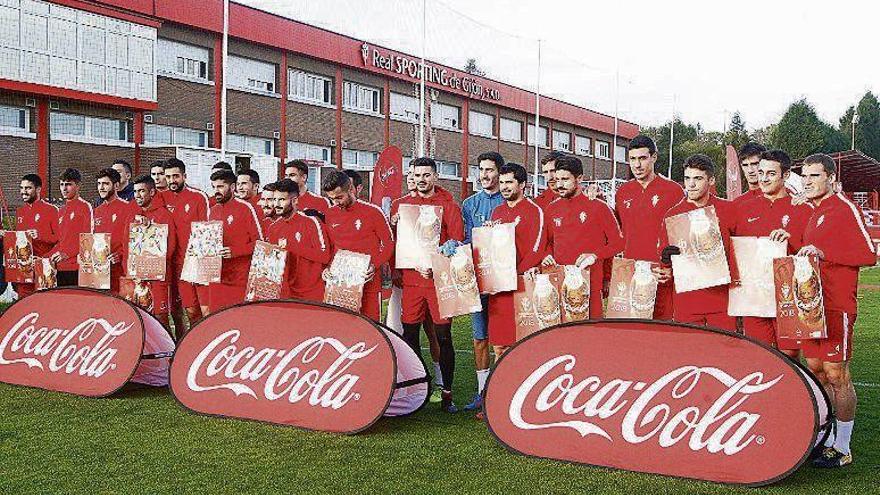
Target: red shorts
column 764, row 331
column 502, row 323
column 417, row 303
column 370, row 305
column 838, row 346
column 663, row 302
column 717, row 320
column 224, row 295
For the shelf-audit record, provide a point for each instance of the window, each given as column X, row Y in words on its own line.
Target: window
column 46, row 43
column 542, row 182
column 309, row 87
column 474, row 176
column 404, row 107
column 620, row 154
column 583, row 145
column 603, row 150
column 511, row 130
column 67, row 126
column 561, row 141
column 14, row 120
column 362, row 160
column 251, row 75
column 182, row 60
column 179, row 136
column 448, row 170
column 445, row 116
column 250, row 144
column 361, row 98
column 542, row 136
column 313, row 181
column 481, row 124
column 303, row 151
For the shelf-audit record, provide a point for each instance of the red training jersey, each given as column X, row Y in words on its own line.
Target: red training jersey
column 74, row 218
column 530, row 231
column 241, row 231
column 640, row 210
column 362, row 228
column 42, row 217
column 187, row 206
column 759, row 216
column 308, row 253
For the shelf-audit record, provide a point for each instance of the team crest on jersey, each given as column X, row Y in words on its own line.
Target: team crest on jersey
column 72, row 214
column 229, row 219
column 36, row 218
column 654, row 200
column 557, row 222
column 583, row 217
column 297, row 236
column 785, row 220
column 186, row 208
column 820, row 220
column 628, row 202
column 357, row 224
column 113, row 217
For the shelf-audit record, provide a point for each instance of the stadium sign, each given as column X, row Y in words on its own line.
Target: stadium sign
column 308, row 365
column 656, row 398
column 411, row 68
column 82, row 342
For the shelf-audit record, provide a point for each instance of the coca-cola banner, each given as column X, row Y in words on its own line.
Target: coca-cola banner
column 656, row 398
column 82, row 342
column 308, row 365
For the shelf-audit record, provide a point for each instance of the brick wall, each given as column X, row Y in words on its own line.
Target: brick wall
column 18, row 156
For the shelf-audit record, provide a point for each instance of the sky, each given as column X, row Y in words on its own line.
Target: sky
column 643, row 59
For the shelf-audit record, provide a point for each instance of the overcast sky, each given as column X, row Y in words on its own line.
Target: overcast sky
column 756, row 57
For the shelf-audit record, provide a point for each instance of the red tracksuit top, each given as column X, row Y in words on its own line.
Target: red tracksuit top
column 187, row 206
column 362, row 228
column 42, row 217
column 308, row 253
column 113, row 217
column 544, row 199
column 159, row 214
column 451, row 227
column 837, row 228
column 713, row 299
column 579, row 225
column 530, row 232
column 307, row 201
column 241, row 230
column 640, row 210
column 759, row 216
column 748, row 196
column 74, row 218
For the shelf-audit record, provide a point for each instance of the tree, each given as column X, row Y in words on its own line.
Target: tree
column 471, row 67
column 800, row 132
column 660, row 135
column 736, row 132
column 867, row 127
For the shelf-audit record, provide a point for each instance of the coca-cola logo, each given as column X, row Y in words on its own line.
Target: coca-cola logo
column 653, row 397
column 70, row 340
column 287, row 362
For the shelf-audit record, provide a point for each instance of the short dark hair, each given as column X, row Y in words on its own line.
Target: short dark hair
column 355, row 177
column 751, row 149
column 642, row 141
column 158, row 163
column 110, row 174
column 300, row 165
column 72, row 175
column 518, row 171
column 492, row 156
column 551, row 157
column 700, row 162
column 334, row 179
column 222, row 166
column 779, row 157
column 424, row 161
column 33, row 179
column 821, row 158
column 124, row 163
column 570, row 163
column 287, row 186
column 253, row 174
column 145, row 179
column 175, row 163
column 272, row 186
column 225, row 175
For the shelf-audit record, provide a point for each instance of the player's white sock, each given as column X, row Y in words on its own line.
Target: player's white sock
column 438, row 377
column 482, row 375
column 829, row 442
column 844, row 433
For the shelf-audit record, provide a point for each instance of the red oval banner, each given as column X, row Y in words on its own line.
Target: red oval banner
column 656, row 398
column 70, row 340
column 289, row 362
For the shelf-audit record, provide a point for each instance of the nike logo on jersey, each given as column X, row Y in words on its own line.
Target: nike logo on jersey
column 750, row 220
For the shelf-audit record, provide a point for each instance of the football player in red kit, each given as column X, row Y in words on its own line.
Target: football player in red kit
column 772, row 215
column 241, row 231
column 835, row 234
column 581, row 231
column 361, row 227
column 38, row 219
column 749, row 159
column 298, row 171
column 247, row 187
column 704, row 306
column 531, row 244
column 548, row 169
column 113, row 217
column 640, row 205
column 74, row 218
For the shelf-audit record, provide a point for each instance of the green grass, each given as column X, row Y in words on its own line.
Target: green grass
column 142, row 441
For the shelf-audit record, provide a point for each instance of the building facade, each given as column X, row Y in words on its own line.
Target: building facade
column 85, row 83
